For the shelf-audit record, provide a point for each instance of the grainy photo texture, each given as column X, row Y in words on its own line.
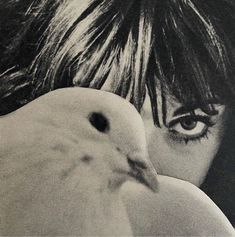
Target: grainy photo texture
column 117, row 117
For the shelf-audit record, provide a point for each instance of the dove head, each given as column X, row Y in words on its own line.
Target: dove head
column 112, row 131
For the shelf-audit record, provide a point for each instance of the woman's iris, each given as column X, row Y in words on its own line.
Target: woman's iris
column 188, row 124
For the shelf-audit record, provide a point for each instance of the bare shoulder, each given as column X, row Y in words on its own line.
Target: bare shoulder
column 178, row 208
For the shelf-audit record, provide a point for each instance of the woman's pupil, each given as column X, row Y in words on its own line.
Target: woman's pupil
column 188, row 124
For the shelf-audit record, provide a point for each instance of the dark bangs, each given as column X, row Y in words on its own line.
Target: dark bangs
column 184, row 48
column 99, row 44
column 193, row 54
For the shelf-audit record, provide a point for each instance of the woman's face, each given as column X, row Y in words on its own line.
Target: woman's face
column 185, row 146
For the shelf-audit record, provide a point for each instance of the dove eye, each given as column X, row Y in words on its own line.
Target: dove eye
column 99, row 121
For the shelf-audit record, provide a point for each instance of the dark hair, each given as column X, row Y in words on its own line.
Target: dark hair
column 182, row 47
column 220, row 181
column 185, row 47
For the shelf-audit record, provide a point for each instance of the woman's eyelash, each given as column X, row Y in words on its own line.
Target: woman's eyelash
column 199, row 118
column 186, row 139
column 181, row 137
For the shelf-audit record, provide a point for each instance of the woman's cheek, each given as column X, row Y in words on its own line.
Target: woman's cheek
column 188, row 162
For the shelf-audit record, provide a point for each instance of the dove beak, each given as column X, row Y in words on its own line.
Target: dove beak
column 143, row 172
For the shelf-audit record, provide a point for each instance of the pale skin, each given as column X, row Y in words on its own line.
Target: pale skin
column 140, row 201
column 180, row 152
column 185, row 146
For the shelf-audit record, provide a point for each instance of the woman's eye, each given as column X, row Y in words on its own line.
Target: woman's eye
column 190, row 127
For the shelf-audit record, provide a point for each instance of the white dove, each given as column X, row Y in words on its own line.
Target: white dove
column 179, row 208
column 63, row 158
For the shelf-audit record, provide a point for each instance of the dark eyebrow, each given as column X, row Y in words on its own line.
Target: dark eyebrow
column 208, row 108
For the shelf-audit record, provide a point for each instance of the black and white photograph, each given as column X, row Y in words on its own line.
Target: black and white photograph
column 117, row 118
